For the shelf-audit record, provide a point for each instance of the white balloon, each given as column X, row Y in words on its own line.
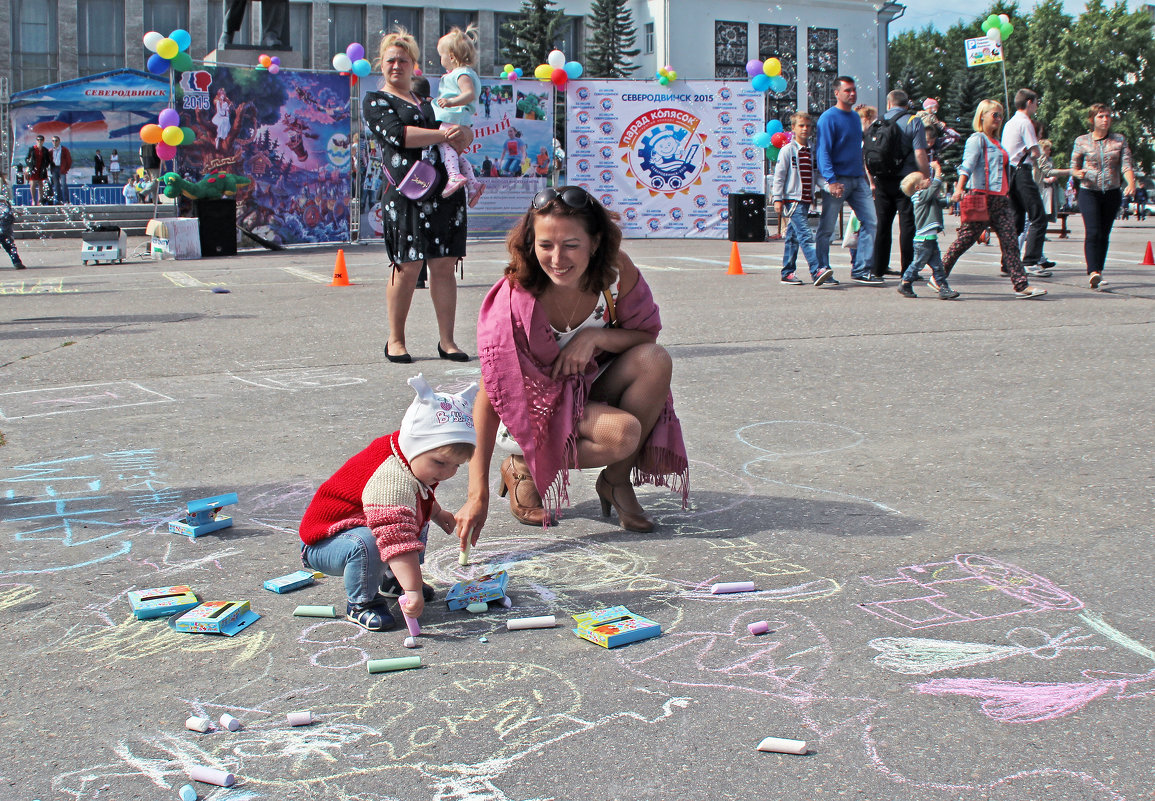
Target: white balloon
column 1004, row 19
column 556, row 59
column 342, row 63
column 152, row 39
column 995, row 34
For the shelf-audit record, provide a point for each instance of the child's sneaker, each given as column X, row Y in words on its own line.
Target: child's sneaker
column 905, row 290
column 946, row 293
column 372, row 616
column 791, row 278
column 823, row 277
column 933, row 284
column 454, row 184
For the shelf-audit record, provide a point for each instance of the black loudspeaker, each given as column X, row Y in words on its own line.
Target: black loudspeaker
column 747, row 221
column 100, row 179
column 218, row 226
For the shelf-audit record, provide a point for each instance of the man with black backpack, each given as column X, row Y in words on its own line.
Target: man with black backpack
column 893, row 147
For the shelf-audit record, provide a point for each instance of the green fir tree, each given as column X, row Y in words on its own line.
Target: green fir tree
column 527, row 39
column 611, row 43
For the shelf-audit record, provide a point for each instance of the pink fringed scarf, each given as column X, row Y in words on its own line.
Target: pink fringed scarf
column 517, row 349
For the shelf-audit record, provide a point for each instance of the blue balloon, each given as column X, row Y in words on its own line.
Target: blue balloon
column 362, row 67
column 774, row 126
column 760, row 82
column 158, row 65
column 777, row 84
column 520, row 73
column 573, row 69
column 762, row 140
column 182, row 38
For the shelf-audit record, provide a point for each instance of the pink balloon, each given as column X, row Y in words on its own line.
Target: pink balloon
column 165, row 152
column 170, row 116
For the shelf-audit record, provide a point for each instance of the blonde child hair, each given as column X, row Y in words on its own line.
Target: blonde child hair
column 461, row 44
column 911, row 183
column 398, row 37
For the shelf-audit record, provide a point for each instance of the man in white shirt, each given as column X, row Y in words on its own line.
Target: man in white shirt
column 1022, row 146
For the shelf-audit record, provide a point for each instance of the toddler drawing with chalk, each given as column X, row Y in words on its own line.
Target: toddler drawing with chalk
column 457, row 103
column 369, row 522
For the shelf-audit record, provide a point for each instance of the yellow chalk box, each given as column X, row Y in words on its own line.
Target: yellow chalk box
column 614, row 626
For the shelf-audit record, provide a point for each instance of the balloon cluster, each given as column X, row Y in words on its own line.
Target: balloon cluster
column 166, row 133
column 774, row 138
column 766, row 76
column 557, row 70
column 998, row 27
column 168, row 51
column 666, row 74
column 352, row 61
column 270, row 63
column 511, row 74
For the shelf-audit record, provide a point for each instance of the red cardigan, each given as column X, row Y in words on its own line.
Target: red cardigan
column 376, row 488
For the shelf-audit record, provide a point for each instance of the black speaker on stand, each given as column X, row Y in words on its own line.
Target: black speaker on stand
column 218, row 226
column 747, row 221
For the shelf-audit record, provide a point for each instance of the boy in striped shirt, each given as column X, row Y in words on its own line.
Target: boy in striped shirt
column 793, row 192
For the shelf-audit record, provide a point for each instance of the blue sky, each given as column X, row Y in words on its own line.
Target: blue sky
column 944, row 13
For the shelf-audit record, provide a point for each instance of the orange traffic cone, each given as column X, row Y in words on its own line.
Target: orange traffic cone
column 1148, row 257
column 735, row 261
column 340, row 275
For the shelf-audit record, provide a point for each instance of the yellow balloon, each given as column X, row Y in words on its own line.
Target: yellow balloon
column 772, row 67
column 543, row 72
column 172, row 135
column 167, row 48
column 509, row 68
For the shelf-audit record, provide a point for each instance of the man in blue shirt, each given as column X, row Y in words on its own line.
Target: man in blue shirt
column 839, row 161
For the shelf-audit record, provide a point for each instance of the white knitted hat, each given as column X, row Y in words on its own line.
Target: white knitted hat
column 436, row 418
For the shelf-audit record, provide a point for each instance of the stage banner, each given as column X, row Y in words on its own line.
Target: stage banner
column 512, row 154
column 665, row 157
column 288, row 132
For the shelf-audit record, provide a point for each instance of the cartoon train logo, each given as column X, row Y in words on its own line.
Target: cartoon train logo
column 664, row 151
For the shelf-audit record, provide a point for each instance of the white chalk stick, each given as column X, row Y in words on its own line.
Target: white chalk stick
column 733, row 586
column 782, row 746
column 198, row 724
column 543, row 622
column 230, row 723
column 463, row 556
column 410, row 642
column 300, row 718
column 220, row 778
column 761, row 627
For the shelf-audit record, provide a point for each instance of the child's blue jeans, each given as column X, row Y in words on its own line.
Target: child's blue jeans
column 926, row 252
column 352, row 554
column 798, row 235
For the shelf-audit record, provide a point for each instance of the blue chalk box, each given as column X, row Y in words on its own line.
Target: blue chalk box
column 614, row 626
column 490, row 587
column 293, row 581
column 161, row 601
column 217, row 617
column 203, row 516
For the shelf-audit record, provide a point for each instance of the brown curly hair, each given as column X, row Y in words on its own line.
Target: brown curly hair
column 601, row 224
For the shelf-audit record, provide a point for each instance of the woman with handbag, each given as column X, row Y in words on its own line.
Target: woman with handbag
column 1100, row 160
column 421, row 227
column 982, row 196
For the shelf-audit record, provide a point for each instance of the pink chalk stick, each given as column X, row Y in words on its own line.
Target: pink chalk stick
column 761, row 627
column 300, row 718
column 733, row 586
column 207, row 775
column 410, row 622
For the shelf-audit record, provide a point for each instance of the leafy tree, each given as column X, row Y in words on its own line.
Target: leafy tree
column 612, row 35
column 528, row 38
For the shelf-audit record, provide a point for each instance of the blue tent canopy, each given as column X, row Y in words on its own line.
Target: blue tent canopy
column 108, row 91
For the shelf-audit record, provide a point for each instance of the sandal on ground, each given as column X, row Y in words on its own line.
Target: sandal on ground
column 372, row 616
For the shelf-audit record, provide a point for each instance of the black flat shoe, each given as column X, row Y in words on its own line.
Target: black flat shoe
column 456, row 356
column 404, row 358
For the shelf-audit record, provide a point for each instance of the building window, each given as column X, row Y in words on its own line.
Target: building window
column 403, row 17
column 648, row 38
column 730, row 40
column 34, row 45
column 568, row 38
column 503, row 37
column 456, row 19
column 781, row 42
column 166, row 16
column 301, row 31
column 346, row 25
column 821, row 67
column 99, row 35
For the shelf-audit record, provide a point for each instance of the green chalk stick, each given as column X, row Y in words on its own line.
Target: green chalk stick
column 315, row 611
column 399, row 663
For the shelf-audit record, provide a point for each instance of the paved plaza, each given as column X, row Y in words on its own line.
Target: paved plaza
column 945, row 507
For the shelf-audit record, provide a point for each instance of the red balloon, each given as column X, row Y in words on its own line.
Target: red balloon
column 779, row 139
column 559, row 78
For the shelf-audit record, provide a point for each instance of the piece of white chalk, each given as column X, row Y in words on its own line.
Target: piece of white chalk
column 187, row 793
column 463, row 556
column 300, row 718
column 410, row 642
column 780, row 745
column 198, row 724
column 230, row 723
column 733, row 586
column 543, row 622
column 220, row 778
column 761, row 627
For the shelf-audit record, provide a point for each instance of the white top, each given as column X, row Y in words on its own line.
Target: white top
column 1019, row 136
column 597, row 318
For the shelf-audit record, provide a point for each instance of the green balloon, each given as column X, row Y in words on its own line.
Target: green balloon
column 1007, row 29
column 182, row 62
column 772, row 153
column 189, row 135
column 990, row 22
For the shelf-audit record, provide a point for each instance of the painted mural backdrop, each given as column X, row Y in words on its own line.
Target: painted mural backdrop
column 665, row 157
column 512, row 152
column 289, row 132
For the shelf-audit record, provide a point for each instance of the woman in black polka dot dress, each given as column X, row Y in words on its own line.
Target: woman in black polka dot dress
column 429, row 232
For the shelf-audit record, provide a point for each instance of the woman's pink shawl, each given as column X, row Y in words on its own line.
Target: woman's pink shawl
column 517, row 350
